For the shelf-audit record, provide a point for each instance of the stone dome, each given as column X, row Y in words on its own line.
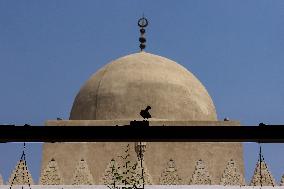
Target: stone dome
column 129, row 84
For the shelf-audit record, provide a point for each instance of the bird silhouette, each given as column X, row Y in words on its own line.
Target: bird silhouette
column 145, row 113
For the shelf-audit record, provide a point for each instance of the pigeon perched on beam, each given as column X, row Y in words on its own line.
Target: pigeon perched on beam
column 145, row 113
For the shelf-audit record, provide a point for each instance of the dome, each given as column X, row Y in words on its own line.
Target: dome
column 122, row 88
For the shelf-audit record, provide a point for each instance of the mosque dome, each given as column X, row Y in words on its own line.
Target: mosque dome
column 123, row 87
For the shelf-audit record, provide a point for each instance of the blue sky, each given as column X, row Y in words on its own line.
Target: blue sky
column 48, row 49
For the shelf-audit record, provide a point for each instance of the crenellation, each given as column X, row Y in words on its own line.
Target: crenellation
column 51, row 174
column 170, row 175
column 138, row 174
column 200, row 175
column 129, row 172
column 282, row 181
column 21, row 175
column 82, row 174
column 262, row 176
column 232, row 175
column 112, row 174
column 1, row 180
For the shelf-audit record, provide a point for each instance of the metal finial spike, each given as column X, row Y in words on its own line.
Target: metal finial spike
column 142, row 23
column 23, row 152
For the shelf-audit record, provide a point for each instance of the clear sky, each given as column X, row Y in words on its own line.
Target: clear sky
column 48, row 49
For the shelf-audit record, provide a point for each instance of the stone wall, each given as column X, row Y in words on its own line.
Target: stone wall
column 185, row 154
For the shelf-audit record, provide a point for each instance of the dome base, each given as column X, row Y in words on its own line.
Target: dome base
column 185, row 154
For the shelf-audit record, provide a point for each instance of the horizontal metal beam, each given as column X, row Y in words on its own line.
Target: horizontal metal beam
column 263, row 134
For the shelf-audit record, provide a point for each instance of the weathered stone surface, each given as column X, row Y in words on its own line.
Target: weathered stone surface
column 147, row 187
column 138, row 174
column 232, row 175
column 129, row 168
column 127, row 172
column 185, row 154
column 51, row 174
column 21, row 175
column 123, row 87
column 282, row 181
column 262, row 175
column 1, row 180
column 82, row 174
column 170, row 174
column 200, row 175
column 112, row 174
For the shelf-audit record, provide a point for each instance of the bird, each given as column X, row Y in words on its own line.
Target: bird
column 145, row 113
column 226, row 119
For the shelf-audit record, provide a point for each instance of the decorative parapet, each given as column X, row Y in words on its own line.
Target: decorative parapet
column 112, row 174
column 128, row 173
column 21, row 175
column 200, row 175
column 132, row 174
column 170, row 176
column 262, row 176
column 282, row 181
column 138, row 174
column 1, row 180
column 51, row 174
column 128, row 168
column 232, row 175
column 82, row 174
